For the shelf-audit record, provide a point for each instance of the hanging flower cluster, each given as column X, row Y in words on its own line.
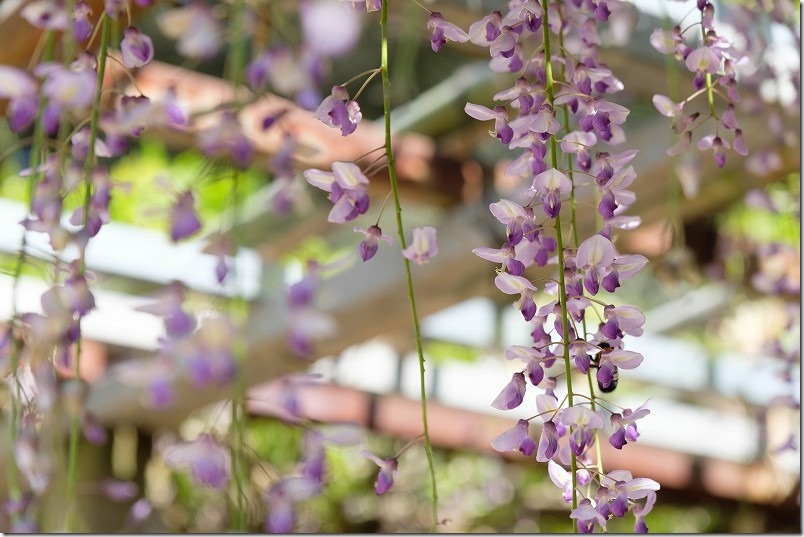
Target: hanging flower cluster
column 714, row 62
column 552, row 124
column 556, row 119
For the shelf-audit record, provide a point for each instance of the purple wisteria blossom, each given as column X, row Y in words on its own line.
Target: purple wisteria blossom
column 45, row 14
column 582, row 423
column 226, row 139
column 205, row 458
column 532, row 358
column 551, row 185
column 622, row 319
column 20, row 89
column 184, row 221
column 136, row 47
column 170, row 306
column 512, row 395
column 369, row 246
column 195, row 28
column 515, row 439
column 339, row 112
column 625, row 429
column 346, row 185
column 70, row 88
column 281, row 500
column 443, row 31
column 388, row 470
column 587, row 516
column 423, row 247
column 511, row 285
column 501, row 128
column 82, row 26
column 601, row 266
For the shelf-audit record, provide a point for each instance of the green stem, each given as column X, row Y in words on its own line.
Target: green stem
column 562, row 288
column 386, row 99
column 710, row 95
column 36, row 158
column 576, row 243
column 89, row 167
column 235, row 64
column 237, row 431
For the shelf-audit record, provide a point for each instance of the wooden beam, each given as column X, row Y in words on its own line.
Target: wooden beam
column 366, row 301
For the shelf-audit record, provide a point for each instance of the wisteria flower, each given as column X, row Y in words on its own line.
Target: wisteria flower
column 582, row 422
column 82, row 26
column 194, row 26
column 587, row 516
column 622, row 319
column 137, row 48
column 505, row 255
column 486, row 30
column 226, row 138
column 560, row 478
column 511, row 285
column 443, row 31
column 515, row 439
column 512, row 395
column 183, row 219
column 551, row 184
column 369, row 245
column 178, row 322
column 19, row 87
column 580, row 352
column 517, row 219
column 666, row 106
column 718, row 146
column 548, row 442
column 532, row 358
column 702, row 60
column 71, row 89
column 501, row 128
column 205, row 457
column 220, row 245
column 346, row 185
column 388, row 470
column 604, row 118
column 612, row 360
column 338, row 111
column 45, row 14
column 595, row 256
column 664, row 41
column 625, row 426
column 424, row 246
column 641, row 511
column 281, row 499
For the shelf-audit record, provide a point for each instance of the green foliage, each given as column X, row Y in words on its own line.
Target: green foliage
column 150, row 177
column 762, row 226
column 445, row 351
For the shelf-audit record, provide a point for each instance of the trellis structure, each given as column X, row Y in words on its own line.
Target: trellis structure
column 442, row 178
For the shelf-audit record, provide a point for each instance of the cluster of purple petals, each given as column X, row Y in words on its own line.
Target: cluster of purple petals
column 714, row 62
column 527, row 122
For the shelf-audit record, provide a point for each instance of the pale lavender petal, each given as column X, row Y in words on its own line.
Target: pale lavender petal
column 137, row 48
column 596, row 251
column 480, row 112
column 511, row 439
column 512, row 395
column 512, row 285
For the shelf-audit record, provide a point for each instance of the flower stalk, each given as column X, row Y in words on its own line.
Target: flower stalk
column 562, row 288
column 89, row 166
column 389, row 153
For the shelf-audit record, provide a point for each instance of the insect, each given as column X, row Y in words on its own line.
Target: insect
column 595, row 362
